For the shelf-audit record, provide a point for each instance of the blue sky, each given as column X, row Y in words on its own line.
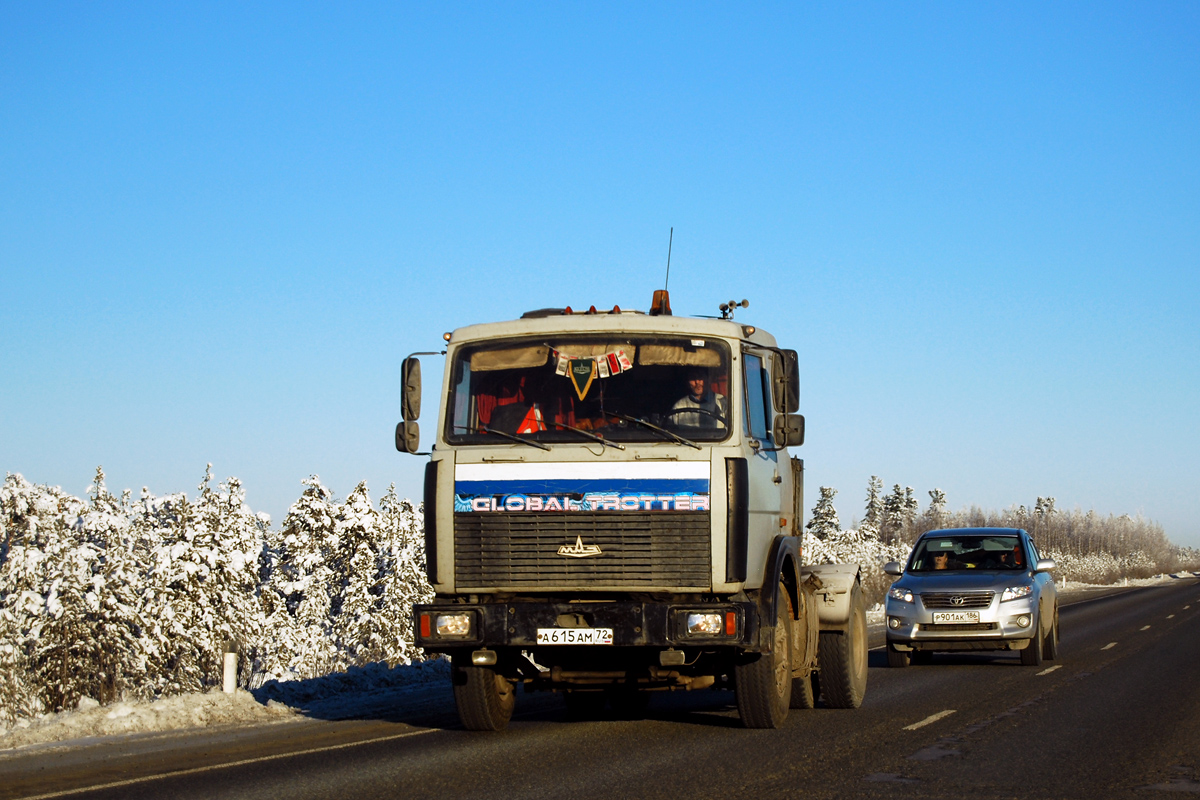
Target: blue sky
column 222, row 227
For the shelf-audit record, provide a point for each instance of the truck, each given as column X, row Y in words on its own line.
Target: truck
column 611, row 509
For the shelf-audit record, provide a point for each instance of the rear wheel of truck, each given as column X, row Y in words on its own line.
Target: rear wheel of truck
column 764, row 686
column 842, row 656
column 484, row 697
column 804, row 693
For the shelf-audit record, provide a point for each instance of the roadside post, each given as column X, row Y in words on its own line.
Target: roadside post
column 229, row 683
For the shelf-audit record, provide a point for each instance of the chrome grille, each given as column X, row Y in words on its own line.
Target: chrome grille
column 520, row 550
column 947, row 600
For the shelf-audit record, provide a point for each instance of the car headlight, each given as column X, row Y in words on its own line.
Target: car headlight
column 1016, row 593
column 901, row 594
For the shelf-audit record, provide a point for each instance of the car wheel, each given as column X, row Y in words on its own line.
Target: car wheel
column 763, row 687
column 842, row 656
column 1050, row 649
column 484, row 697
column 1031, row 656
column 898, row 658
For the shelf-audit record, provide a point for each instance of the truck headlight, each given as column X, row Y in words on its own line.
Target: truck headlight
column 705, row 624
column 1016, row 593
column 903, row 595
column 453, row 625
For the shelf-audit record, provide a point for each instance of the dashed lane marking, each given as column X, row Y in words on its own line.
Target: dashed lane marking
column 1109, row 646
column 1145, row 627
column 1051, row 669
column 1170, row 616
column 929, row 720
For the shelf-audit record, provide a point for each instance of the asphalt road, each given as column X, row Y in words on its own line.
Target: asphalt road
column 1118, row 715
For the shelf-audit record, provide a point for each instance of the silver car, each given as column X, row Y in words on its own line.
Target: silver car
column 972, row 589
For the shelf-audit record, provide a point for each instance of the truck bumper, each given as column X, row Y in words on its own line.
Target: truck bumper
column 453, row 627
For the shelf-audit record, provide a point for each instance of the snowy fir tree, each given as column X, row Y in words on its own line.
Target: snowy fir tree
column 313, row 571
column 935, row 515
column 873, row 516
column 825, row 523
column 358, row 628
column 401, row 529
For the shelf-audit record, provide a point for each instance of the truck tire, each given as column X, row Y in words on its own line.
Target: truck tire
column 1031, row 656
column 842, row 656
column 1050, row 648
column 804, row 693
column 484, row 697
column 764, row 686
column 898, row 658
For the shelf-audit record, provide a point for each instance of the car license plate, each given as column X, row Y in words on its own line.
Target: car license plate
column 944, row 617
column 574, row 636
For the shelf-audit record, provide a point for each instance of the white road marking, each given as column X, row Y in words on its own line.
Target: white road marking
column 1145, row 627
column 211, row 767
column 929, row 720
column 1170, row 616
column 1185, row 608
column 1048, row 671
column 1109, row 646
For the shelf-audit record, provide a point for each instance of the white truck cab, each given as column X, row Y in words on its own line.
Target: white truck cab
column 610, row 509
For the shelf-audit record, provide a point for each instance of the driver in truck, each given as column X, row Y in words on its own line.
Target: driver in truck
column 711, row 408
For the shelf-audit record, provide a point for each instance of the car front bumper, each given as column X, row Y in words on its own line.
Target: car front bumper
column 911, row 626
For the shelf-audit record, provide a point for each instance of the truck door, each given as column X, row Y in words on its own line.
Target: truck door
column 765, row 480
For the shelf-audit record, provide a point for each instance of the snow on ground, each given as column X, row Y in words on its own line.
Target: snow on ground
column 336, row 696
column 361, row 690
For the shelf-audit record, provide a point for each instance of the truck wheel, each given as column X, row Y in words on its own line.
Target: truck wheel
column 842, row 657
column 898, row 658
column 1031, row 656
column 1050, row 648
column 764, row 686
column 484, row 697
column 804, row 693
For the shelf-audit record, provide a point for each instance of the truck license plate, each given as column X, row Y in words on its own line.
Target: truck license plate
column 574, row 636
column 943, row 617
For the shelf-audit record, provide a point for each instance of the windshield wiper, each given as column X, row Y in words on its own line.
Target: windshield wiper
column 588, row 434
column 511, row 436
column 654, row 427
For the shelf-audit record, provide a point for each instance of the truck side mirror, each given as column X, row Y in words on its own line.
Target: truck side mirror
column 408, row 437
column 410, row 393
column 785, row 379
column 788, row 430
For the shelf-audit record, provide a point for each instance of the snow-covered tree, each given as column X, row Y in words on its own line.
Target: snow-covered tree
column 873, row 516
column 824, row 523
column 312, row 565
column 401, row 529
column 358, row 627
column 935, row 515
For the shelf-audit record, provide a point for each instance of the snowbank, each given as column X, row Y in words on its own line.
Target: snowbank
column 336, row 696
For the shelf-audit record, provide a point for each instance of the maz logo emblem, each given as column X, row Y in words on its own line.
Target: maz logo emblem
column 579, row 549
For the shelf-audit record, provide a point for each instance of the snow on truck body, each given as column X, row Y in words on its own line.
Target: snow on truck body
column 610, row 508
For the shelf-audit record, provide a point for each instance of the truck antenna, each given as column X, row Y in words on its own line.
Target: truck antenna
column 670, row 242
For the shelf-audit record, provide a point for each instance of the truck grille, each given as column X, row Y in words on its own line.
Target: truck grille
column 638, row 551
column 946, row 599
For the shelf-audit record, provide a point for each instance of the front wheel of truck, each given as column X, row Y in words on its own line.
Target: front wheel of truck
column 842, row 657
column 764, row 686
column 484, row 697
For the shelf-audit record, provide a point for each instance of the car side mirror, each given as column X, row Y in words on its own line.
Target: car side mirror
column 1045, row 565
column 894, row 568
column 788, row 430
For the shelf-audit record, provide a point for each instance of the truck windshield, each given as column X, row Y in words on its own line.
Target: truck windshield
column 549, row 390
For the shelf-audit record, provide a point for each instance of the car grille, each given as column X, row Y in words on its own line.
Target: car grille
column 638, row 551
column 947, row 599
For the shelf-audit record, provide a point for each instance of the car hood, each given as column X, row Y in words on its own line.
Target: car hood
column 964, row 581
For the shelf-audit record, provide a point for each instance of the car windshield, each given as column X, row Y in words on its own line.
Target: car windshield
column 576, row 389
column 968, row 552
